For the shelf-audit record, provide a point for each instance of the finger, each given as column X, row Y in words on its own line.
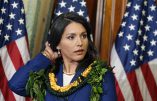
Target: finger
column 56, row 55
column 47, row 44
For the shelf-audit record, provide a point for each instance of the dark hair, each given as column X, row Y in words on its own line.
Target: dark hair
column 57, row 29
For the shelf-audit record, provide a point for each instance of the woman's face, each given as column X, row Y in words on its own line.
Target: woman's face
column 74, row 42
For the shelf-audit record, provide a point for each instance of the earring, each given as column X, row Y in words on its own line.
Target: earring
column 59, row 52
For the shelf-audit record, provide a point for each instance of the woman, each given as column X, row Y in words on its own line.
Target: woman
column 68, row 68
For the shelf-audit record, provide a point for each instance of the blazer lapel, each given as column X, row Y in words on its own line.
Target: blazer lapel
column 78, row 73
column 60, row 76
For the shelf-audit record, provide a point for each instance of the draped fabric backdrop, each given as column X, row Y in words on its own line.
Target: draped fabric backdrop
column 38, row 18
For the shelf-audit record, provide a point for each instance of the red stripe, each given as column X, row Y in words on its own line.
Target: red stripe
column 119, row 93
column 134, row 86
column 28, row 99
column 15, row 55
column 150, row 81
column 7, row 93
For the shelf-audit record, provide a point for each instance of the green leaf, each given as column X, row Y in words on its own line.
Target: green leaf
column 35, row 86
column 100, row 90
column 99, row 68
column 94, row 90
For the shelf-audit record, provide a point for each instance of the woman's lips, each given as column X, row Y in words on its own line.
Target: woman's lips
column 79, row 52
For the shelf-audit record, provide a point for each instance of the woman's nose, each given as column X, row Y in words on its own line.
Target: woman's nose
column 79, row 41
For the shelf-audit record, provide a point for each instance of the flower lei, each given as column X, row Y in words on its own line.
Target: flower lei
column 92, row 75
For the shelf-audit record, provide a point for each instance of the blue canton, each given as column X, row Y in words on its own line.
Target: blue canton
column 78, row 6
column 12, row 21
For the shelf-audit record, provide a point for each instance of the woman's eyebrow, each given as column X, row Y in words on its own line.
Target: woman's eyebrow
column 70, row 34
column 83, row 32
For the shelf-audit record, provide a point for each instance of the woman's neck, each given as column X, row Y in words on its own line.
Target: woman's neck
column 70, row 67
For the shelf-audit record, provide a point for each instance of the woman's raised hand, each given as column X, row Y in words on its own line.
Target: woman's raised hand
column 49, row 53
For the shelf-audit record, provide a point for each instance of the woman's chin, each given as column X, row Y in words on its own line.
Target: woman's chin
column 78, row 57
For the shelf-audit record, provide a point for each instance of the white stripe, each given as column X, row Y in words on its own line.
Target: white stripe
column 22, row 46
column 18, row 97
column 8, row 66
column 121, row 76
column 153, row 68
column 142, row 85
column 1, row 96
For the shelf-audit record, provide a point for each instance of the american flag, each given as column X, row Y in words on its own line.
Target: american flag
column 134, row 53
column 13, row 45
column 78, row 6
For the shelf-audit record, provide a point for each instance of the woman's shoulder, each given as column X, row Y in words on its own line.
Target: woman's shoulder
column 109, row 76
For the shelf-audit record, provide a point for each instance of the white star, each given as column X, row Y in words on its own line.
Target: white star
column 153, row 43
column 150, row 53
column 123, row 24
column 135, row 52
column 132, row 62
column 14, row 4
column 3, row 10
column 140, row 32
column 1, row 21
column 126, row 47
column 22, row 10
column 0, row 32
column 83, row 3
column 132, row 27
column 143, row 47
column 147, row 28
column 9, row 26
column 137, row 42
column 5, row 1
column 141, row 22
column 71, row 8
column 137, row 7
column 58, row 13
column 145, row 37
column 153, row 8
column 120, row 34
column 155, row 33
column 141, row 57
column 6, row 37
column 145, row 3
column 129, row 4
column 12, row 15
column 62, row 4
column 126, row 14
column 74, row 0
column 143, row 12
column 150, row 18
column 87, row 18
column 21, row 21
column 129, row 37
column 18, row 31
column 134, row 17
column 80, row 12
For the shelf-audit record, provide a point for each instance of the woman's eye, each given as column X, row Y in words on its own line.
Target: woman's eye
column 70, row 37
column 84, row 36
